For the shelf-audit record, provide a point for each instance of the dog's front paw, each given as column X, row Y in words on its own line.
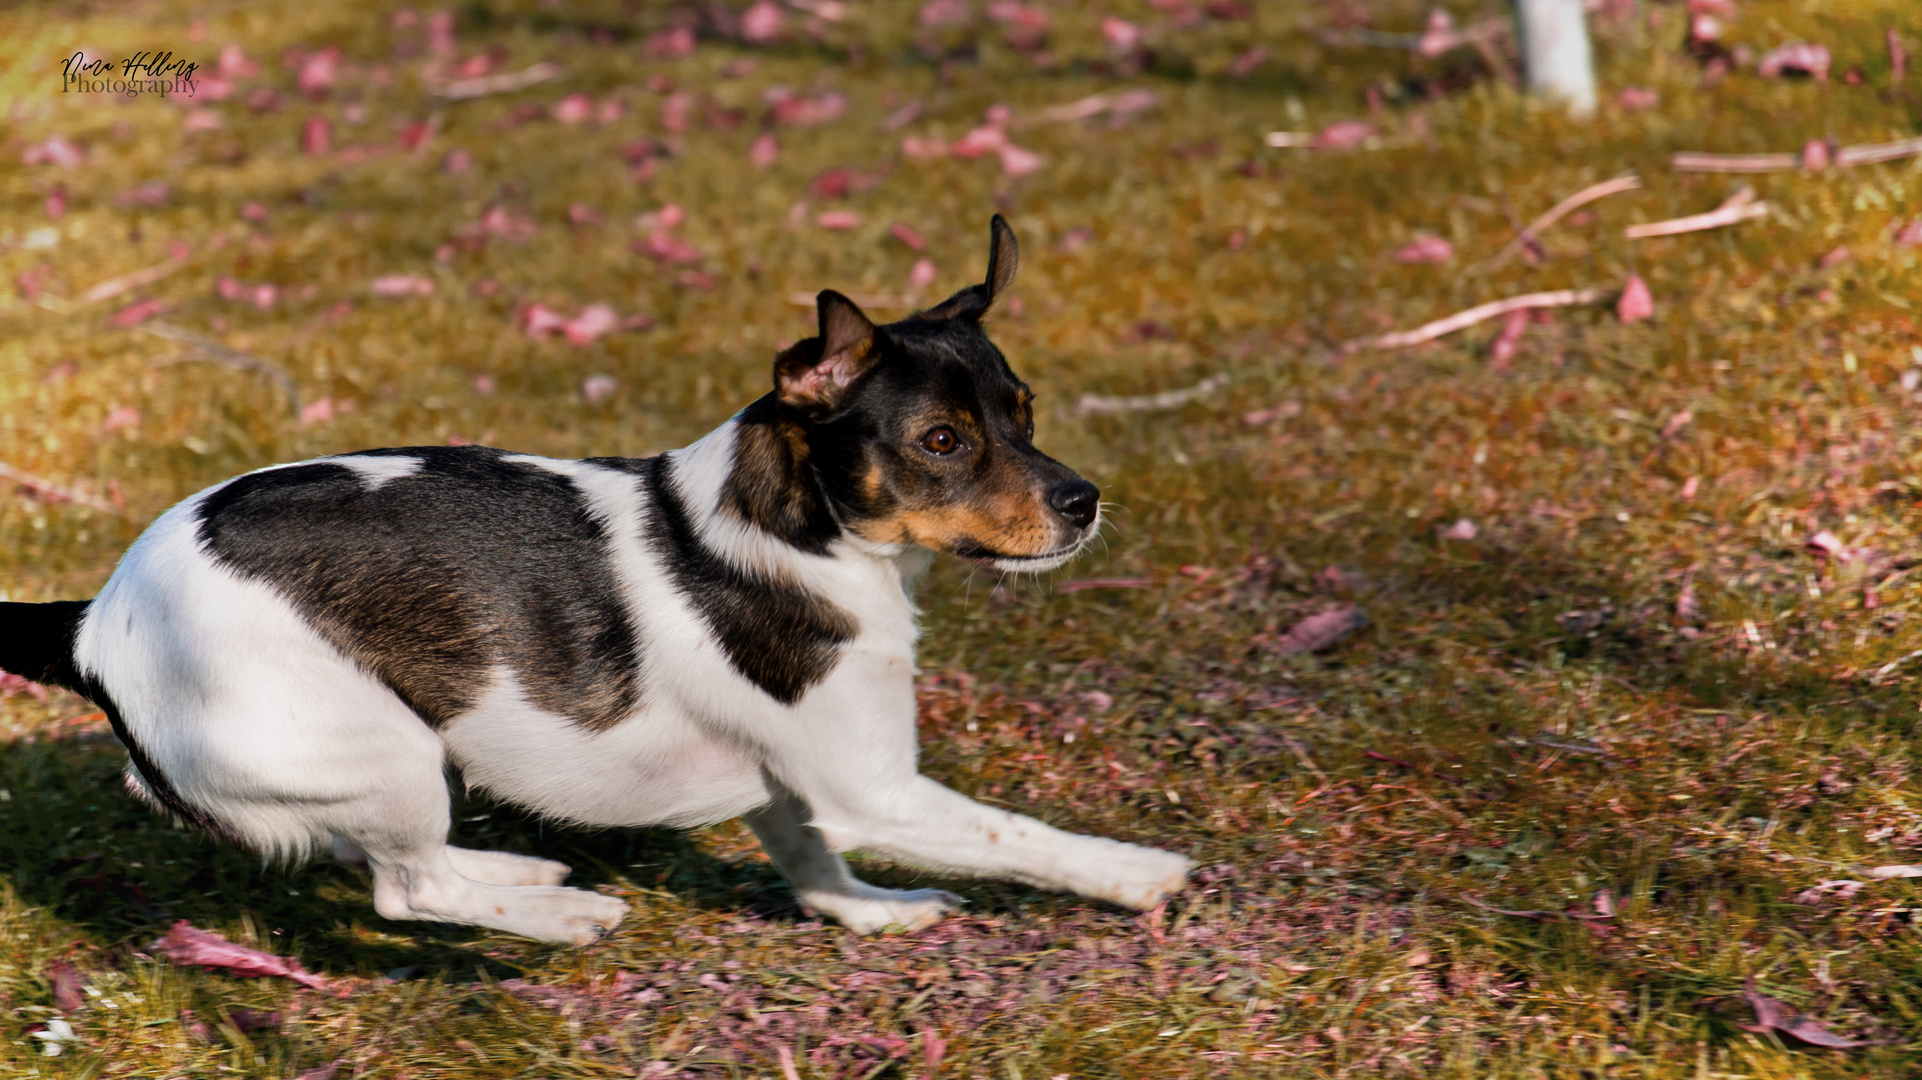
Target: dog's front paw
column 873, row 909
column 1139, row 877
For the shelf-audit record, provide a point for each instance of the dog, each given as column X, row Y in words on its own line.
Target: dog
column 294, row 657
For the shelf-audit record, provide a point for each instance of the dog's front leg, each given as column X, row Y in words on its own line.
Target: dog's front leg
column 923, row 823
column 821, row 879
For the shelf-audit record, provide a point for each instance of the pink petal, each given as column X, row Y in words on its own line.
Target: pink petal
column 315, row 412
column 538, row 320
column 233, row 64
column 264, row 296
column 1637, row 97
column 598, row 388
column 318, row 70
column 401, row 285
column 135, row 314
column 924, row 147
column 1248, row 62
column 1811, row 60
column 1320, row 631
column 905, row 233
column 838, row 219
column 923, row 274
column 1426, row 248
column 762, row 22
column 1910, row 235
column 229, row 289
column 1508, row 343
column 1344, row 133
column 456, row 162
column 673, row 44
column 592, row 322
column 316, row 136
column 764, row 150
column 574, row 108
column 939, row 14
column 55, row 150
column 1463, row 529
column 1636, row 303
column 1016, row 161
column 126, row 416
column 1122, row 36
column 201, row 120
column 985, row 139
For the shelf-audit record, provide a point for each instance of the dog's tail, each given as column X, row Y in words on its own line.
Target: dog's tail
column 37, row 642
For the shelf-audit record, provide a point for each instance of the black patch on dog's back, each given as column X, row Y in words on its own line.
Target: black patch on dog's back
column 782, row 638
column 429, row 580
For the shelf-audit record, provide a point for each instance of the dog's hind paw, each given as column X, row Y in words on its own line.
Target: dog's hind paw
column 872, row 909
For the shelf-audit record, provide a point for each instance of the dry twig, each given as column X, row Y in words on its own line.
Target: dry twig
column 464, row 89
column 223, row 355
column 1462, row 320
column 1167, row 399
column 1859, row 154
column 1740, row 206
column 56, row 492
column 1628, row 182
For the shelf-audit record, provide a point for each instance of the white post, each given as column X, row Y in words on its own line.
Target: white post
column 1555, row 52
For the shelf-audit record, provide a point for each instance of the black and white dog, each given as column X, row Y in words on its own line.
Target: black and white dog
column 292, row 657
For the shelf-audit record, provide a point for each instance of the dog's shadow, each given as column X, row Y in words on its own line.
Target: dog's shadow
column 73, row 841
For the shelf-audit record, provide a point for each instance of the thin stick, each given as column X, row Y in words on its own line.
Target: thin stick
column 1727, row 214
column 464, row 89
column 57, row 493
column 229, row 357
column 1859, row 154
column 1627, row 182
column 1465, row 319
column 113, row 287
column 1167, row 399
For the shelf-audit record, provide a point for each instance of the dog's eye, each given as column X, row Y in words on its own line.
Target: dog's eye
column 941, row 441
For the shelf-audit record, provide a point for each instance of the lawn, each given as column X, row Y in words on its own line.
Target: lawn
column 1628, row 723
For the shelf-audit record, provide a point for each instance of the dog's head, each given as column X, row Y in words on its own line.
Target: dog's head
column 918, row 432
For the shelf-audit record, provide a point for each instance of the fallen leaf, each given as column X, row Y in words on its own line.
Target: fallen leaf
column 1463, row 529
column 675, row 43
column 941, row 14
column 69, row 986
column 1636, row 302
column 1831, row 545
column 1248, row 62
column 317, row 412
column 1122, row 36
column 1799, row 58
column 1829, row 890
column 1834, row 257
column 1909, row 234
column 907, row 235
column 126, row 416
column 923, row 274
column 1774, row 1016
column 838, row 219
column 1425, row 248
column 187, row 944
column 151, row 193
column 1317, row 632
column 1676, row 423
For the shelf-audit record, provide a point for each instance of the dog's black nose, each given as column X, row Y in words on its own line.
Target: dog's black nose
column 1077, row 500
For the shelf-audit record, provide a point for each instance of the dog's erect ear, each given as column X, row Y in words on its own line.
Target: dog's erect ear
column 813, row 374
column 1004, row 258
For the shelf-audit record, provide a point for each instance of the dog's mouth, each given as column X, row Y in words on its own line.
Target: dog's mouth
column 981, row 555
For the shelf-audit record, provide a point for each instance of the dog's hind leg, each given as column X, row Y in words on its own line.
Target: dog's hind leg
column 821, row 879
column 486, row 867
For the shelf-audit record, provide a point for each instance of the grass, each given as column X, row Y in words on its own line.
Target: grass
column 1532, row 717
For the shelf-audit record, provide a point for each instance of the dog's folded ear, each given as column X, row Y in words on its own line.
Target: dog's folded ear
column 1004, row 258
column 812, row 375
